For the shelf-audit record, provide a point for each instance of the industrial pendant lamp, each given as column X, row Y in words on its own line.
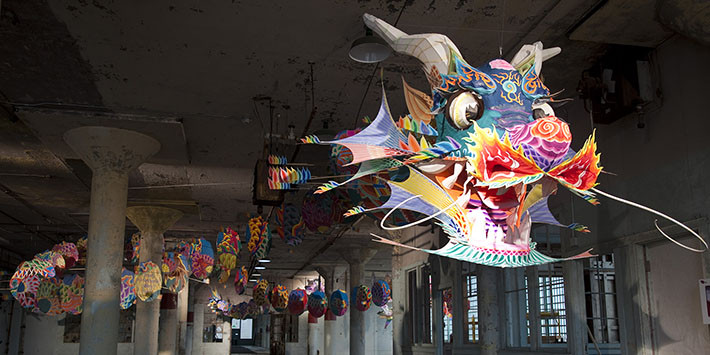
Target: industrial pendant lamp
column 369, row 49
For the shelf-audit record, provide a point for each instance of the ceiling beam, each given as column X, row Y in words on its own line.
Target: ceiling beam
column 327, row 245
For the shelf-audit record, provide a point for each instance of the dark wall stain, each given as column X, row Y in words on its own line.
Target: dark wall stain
column 39, row 59
column 489, row 10
column 431, row 7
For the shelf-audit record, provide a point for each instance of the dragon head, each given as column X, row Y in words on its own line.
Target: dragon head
column 507, row 97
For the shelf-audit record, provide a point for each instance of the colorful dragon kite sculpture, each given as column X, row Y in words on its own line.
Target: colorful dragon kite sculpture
column 481, row 154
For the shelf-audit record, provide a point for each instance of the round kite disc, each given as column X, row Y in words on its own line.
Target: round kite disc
column 338, row 303
column 317, row 304
column 362, row 297
column 381, row 293
column 297, row 301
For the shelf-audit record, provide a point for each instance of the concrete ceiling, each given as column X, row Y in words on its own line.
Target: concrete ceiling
column 188, row 73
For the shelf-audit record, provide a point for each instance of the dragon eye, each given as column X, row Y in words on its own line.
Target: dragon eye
column 464, row 109
column 541, row 110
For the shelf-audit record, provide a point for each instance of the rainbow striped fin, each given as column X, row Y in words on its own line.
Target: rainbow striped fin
column 311, row 139
column 368, row 167
column 326, row 187
column 578, row 228
column 438, row 150
column 355, row 210
column 277, row 160
column 586, row 195
column 410, row 124
column 276, row 185
column 289, row 175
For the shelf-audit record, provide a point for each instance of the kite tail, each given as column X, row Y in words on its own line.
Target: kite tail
column 584, row 255
column 655, row 222
column 355, row 210
column 312, row 139
column 382, row 222
column 391, row 242
column 327, row 187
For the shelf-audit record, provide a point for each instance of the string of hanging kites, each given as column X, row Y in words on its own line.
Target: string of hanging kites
column 49, row 285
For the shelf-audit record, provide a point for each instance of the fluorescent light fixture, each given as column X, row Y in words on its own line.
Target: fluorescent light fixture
column 264, row 261
column 256, row 274
column 260, row 267
column 252, row 280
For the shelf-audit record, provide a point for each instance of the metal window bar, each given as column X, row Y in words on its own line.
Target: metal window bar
column 600, row 294
column 553, row 321
column 427, row 305
column 472, row 314
column 413, row 306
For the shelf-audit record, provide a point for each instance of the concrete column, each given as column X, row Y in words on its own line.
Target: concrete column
column 489, row 322
column 330, row 273
column 357, row 258
column 226, row 337
column 152, row 222
column 437, row 320
column 315, row 336
column 633, row 300
column 168, row 330
column 357, row 318
column 191, row 289
column 198, row 324
column 513, row 301
column 534, row 307
column 460, row 313
column 13, row 347
column 575, row 306
column 182, row 319
column 111, row 154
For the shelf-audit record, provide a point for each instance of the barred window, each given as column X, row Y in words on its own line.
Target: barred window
column 553, row 321
column 420, row 304
column 600, row 296
column 471, row 303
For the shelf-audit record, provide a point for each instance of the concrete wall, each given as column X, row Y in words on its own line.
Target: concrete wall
column 202, row 296
column 379, row 339
column 316, row 332
column 676, row 301
column 302, row 346
column 5, row 318
column 43, row 336
column 404, row 260
column 219, row 348
column 665, row 165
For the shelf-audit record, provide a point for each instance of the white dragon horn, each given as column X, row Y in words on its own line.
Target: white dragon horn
column 530, row 54
column 432, row 49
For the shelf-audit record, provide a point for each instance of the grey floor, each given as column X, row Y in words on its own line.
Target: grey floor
column 248, row 349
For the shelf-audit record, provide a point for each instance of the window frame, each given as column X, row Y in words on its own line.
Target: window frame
column 420, row 304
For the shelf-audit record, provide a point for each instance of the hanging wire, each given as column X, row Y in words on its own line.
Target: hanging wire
column 374, row 71
column 500, row 36
column 655, row 222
